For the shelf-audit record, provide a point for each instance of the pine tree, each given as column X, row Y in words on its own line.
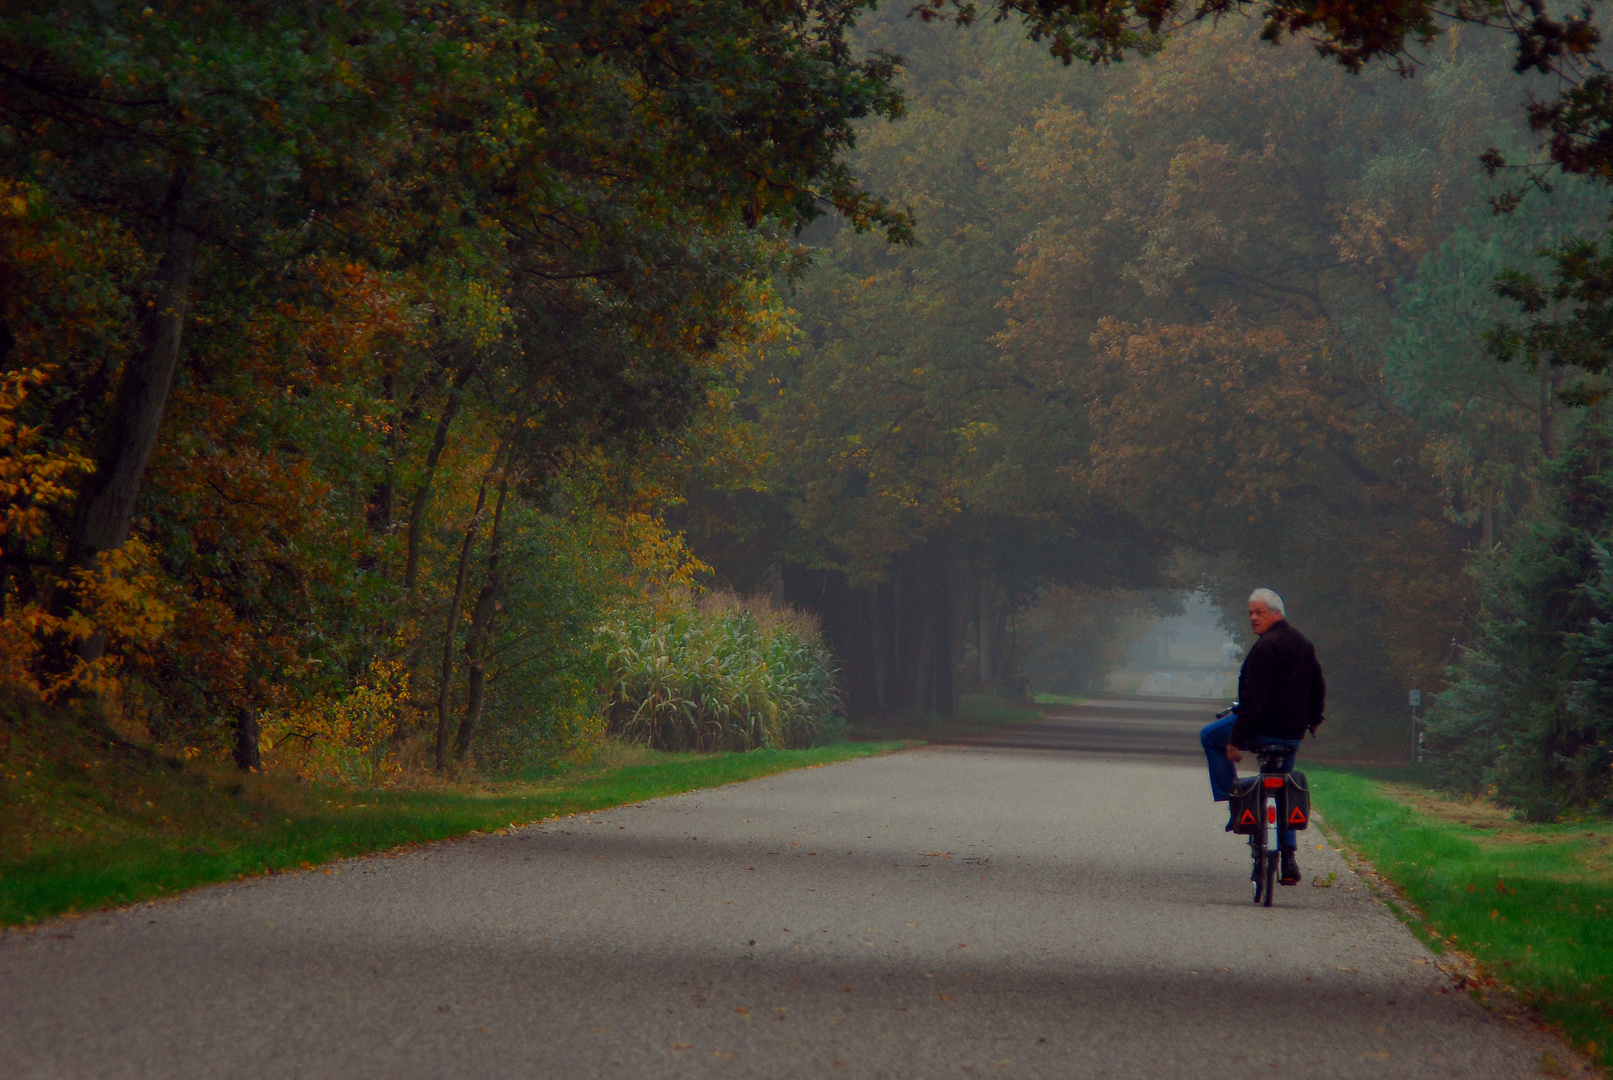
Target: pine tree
column 1529, row 715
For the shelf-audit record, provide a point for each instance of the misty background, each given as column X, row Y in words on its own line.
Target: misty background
column 1173, row 329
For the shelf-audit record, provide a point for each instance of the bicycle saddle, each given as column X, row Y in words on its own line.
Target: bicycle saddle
column 1272, row 758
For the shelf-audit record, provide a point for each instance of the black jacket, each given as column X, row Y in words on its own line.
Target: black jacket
column 1281, row 691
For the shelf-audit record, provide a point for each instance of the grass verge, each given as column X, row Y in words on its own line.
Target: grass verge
column 1060, row 699
column 1529, row 903
column 89, row 822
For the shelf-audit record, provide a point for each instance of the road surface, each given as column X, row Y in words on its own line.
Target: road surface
column 1060, row 901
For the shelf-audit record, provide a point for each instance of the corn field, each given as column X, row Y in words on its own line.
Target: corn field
column 719, row 673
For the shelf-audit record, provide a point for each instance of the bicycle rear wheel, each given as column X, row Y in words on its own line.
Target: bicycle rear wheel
column 1270, row 875
column 1258, row 874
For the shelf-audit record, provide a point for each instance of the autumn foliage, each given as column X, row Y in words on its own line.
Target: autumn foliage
column 351, row 356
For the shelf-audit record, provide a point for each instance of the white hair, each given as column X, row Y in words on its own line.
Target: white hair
column 1270, row 599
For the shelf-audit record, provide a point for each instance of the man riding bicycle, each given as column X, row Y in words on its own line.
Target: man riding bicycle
column 1281, row 693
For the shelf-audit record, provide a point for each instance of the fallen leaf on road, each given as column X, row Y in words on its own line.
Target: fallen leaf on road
column 742, row 1010
column 681, row 1046
column 943, row 997
column 1376, row 1054
column 720, row 1054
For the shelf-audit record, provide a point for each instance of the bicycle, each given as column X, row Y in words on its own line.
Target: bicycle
column 1263, row 804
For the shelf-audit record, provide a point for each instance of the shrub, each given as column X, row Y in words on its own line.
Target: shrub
column 347, row 739
column 719, row 673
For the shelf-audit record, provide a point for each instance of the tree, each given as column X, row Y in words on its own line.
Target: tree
column 1147, row 317
column 911, row 462
column 1488, row 424
column 351, row 268
column 1526, row 717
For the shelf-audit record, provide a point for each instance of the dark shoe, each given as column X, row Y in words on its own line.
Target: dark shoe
column 1290, row 870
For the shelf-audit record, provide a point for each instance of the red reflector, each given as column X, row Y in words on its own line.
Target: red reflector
column 1273, row 781
column 1297, row 817
column 1271, row 813
column 1248, row 818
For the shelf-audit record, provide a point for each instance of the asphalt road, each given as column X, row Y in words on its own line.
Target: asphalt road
column 1062, row 905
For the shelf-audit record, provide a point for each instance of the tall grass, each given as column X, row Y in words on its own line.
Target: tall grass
column 718, row 672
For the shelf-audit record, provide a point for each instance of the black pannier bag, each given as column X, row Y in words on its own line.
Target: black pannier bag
column 1245, row 800
column 1294, row 811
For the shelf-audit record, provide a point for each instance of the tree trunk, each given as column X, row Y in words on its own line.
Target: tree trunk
column 893, row 641
column 983, row 637
column 879, row 643
column 383, row 501
column 106, row 502
column 1548, row 388
column 422, row 494
column 1487, row 519
column 481, row 623
column 445, row 685
column 247, row 757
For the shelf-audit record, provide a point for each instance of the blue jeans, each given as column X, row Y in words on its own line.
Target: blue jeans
column 1215, row 738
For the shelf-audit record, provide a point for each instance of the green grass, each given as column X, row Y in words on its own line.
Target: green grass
column 1530, row 903
column 1060, row 699
column 989, row 710
column 88, row 823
